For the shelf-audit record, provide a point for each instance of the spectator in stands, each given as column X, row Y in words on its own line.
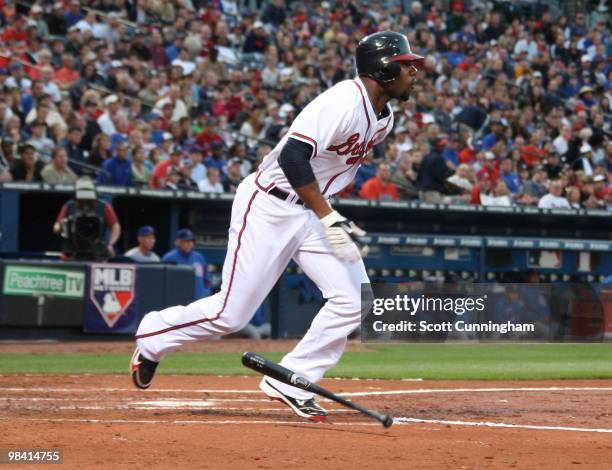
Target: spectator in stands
column 43, row 144
column 552, row 166
column 198, row 170
column 274, row 14
column 141, row 174
column 512, row 180
column 75, row 153
column 496, row 135
column 380, row 188
column 489, row 166
column 58, row 171
column 209, row 133
column 7, row 154
column 607, row 160
column 100, row 150
column 92, row 128
column 573, row 197
column 554, row 198
column 536, row 186
column 211, row 184
column 173, row 177
column 5, row 167
column 585, row 163
column 233, row 177
column 500, row 196
column 117, row 169
column 57, row 20
column 29, row 167
column 66, row 76
column 432, row 176
column 106, row 119
column 461, row 179
column 482, row 186
column 599, row 189
column 184, row 254
column 74, row 13
column 257, row 39
column 143, row 252
column 216, row 158
column 451, row 154
column 404, row 179
column 160, row 171
column 366, row 171
column 186, row 182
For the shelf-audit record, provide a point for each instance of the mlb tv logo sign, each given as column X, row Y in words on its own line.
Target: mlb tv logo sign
column 112, row 290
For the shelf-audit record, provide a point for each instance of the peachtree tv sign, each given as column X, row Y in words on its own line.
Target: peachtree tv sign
column 33, row 280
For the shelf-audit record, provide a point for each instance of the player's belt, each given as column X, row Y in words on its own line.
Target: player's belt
column 279, row 193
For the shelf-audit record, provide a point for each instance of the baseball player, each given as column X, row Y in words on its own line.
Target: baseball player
column 282, row 213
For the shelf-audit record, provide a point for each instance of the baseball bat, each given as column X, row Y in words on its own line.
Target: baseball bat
column 276, row 371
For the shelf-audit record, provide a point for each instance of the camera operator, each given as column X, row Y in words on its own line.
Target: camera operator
column 82, row 222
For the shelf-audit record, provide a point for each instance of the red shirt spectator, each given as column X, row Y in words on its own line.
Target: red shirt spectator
column 533, row 155
column 209, row 133
column 380, row 188
column 489, row 168
column 467, row 155
column 482, row 185
column 15, row 32
column 66, row 75
column 160, row 172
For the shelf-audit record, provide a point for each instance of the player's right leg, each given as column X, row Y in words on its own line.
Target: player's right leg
column 262, row 239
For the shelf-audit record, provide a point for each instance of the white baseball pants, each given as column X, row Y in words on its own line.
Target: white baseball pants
column 265, row 234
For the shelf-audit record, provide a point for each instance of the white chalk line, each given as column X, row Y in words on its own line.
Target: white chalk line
column 397, row 421
column 497, row 425
column 419, row 391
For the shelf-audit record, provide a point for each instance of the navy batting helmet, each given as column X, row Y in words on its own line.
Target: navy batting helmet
column 378, row 55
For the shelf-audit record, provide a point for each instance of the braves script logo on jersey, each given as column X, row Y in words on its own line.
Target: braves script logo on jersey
column 352, row 146
column 112, row 290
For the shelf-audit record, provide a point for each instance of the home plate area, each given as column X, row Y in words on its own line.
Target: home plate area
column 436, row 422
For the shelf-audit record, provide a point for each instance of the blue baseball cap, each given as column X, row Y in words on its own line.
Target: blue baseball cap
column 185, row 234
column 146, row 230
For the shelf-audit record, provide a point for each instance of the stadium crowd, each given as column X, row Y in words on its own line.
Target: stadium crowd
column 513, row 106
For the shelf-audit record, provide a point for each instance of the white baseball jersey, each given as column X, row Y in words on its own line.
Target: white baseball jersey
column 267, row 232
column 341, row 126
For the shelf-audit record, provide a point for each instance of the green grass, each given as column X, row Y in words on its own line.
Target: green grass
column 427, row 361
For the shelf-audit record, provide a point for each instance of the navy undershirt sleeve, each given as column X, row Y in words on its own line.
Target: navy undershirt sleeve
column 294, row 161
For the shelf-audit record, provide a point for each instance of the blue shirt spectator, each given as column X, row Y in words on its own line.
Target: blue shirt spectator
column 119, row 168
column 496, row 134
column 173, row 50
column 366, row 171
column 451, row 155
column 511, row 179
column 215, row 159
column 184, row 255
column 75, row 153
column 74, row 14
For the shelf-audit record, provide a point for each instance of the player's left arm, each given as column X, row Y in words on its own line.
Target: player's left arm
column 294, row 160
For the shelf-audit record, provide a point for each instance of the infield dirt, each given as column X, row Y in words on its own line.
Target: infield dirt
column 224, row 422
